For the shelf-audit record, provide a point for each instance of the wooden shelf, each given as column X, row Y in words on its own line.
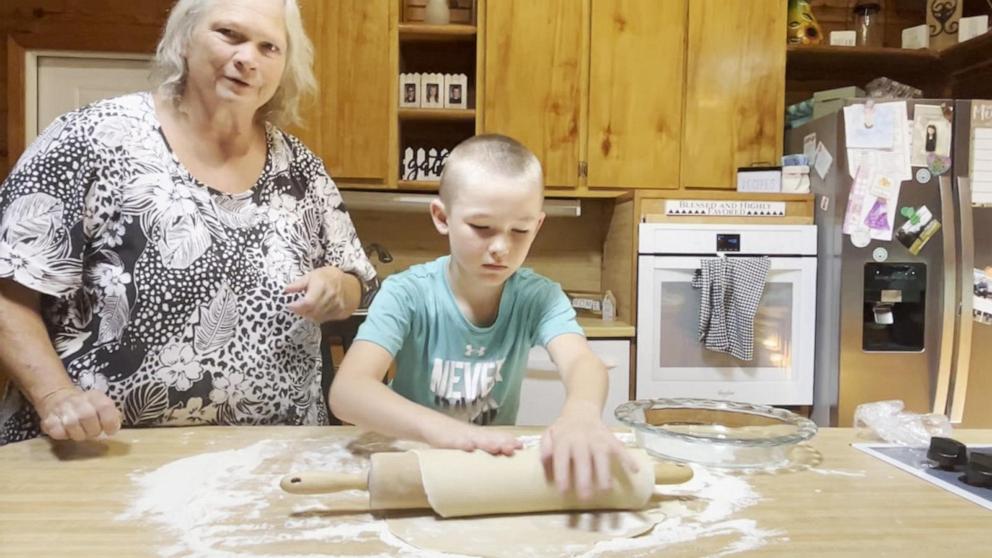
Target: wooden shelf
column 418, row 185
column 937, row 73
column 818, row 61
column 594, row 327
column 970, row 54
column 428, row 32
column 467, row 115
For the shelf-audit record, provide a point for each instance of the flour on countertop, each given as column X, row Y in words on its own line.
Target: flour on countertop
column 837, row 472
column 228, row 503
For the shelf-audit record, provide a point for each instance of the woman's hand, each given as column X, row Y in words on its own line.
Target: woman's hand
column 578, row 451
column 71, row 413
column 326, row 295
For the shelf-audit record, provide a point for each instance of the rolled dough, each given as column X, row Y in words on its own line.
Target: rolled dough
column 460, row 484
column 513, row 536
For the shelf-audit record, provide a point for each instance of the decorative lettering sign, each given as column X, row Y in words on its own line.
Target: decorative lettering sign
column 725, row 208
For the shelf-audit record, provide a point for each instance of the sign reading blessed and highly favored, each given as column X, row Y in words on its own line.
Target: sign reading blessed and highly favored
column 725, row 208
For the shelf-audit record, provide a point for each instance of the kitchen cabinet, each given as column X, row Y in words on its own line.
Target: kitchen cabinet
column 436, row 49
column 592, row 87
column 636, row 63
column 349, row 124
column 534, row 70
column 638, row 93
column 542, row 394
column 734, row 90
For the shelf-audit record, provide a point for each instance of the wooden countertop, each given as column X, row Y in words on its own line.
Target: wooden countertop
column 598, row 329
column 67, row 499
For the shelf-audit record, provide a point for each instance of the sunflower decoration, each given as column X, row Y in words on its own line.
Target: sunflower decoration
column 803, row 27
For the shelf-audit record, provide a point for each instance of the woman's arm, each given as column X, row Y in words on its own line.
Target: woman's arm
column 28, row 357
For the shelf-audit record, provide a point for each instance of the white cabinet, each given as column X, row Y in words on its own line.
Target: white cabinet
column 543, row 393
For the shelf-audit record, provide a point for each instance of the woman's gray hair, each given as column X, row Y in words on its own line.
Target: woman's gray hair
column 298, row 81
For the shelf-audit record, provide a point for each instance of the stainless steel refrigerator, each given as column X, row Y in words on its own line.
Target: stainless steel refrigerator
column 893, row 324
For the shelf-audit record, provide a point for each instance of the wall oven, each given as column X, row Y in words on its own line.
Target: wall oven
column 672, row 362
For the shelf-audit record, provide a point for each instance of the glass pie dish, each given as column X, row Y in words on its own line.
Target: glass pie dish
column 715, row 433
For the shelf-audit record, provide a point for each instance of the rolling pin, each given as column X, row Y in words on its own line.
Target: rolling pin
column 456, row 483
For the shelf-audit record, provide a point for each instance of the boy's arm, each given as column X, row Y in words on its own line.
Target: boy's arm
column 358, row 396
column 579, row 438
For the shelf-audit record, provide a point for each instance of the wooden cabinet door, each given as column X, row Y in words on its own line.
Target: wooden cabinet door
column 637, row 60
column 348, row 124
column 533, row 79
column 735, row 89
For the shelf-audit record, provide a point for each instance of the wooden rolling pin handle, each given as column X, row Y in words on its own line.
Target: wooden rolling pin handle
column 315, row 482
column 671, row 473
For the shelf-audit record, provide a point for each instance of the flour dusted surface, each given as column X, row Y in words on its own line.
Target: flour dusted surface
column 228, row 503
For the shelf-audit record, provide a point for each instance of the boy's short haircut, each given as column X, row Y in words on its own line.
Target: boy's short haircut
column 489, row 155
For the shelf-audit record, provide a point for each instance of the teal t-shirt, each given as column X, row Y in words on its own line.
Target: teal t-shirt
column 445, row 362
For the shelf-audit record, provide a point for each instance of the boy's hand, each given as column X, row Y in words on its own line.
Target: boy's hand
column 578, row 451
column 453, row 434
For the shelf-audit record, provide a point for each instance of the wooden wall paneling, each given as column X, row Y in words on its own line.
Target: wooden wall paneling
column 310, row 131
column 353, row 44
column 637, row 62
column 108, row 25
column 73, row 25
column 532, row 80
column 480, row 63
column 619, row 256
column 569, row 250
column 410, row 237
column 735, row 82
column 393, row 161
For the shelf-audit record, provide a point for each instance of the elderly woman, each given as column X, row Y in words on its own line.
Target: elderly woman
column 166, row 257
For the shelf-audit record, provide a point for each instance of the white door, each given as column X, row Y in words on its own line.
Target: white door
column 672, row 362
column 57, row 83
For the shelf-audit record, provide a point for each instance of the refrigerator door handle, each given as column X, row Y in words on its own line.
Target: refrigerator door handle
column 948, row 305
column 963, row 363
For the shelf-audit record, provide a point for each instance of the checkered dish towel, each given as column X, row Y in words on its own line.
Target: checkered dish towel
column 731, row 289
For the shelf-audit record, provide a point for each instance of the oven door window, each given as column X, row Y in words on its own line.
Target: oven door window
column 681, row 355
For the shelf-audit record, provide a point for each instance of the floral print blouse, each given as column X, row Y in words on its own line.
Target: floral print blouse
column 161, row 292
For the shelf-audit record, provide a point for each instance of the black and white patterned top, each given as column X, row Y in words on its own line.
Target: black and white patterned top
column 731, row 292
column 161, row 292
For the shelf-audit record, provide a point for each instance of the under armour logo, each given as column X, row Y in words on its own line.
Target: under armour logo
column 469, row 351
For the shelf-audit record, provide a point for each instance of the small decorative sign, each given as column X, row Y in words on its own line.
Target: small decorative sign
column 423, row 164
column 725, row 208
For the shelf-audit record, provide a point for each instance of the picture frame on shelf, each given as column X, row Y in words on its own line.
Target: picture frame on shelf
column 455, row 91
column 431, row 86
column 410, row 90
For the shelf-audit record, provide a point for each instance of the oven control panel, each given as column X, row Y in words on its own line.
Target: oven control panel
column 728, row 242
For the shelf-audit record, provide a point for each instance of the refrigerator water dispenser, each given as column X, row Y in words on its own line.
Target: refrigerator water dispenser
column 894, row 307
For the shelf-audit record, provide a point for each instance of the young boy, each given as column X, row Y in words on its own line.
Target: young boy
column 460, row 328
